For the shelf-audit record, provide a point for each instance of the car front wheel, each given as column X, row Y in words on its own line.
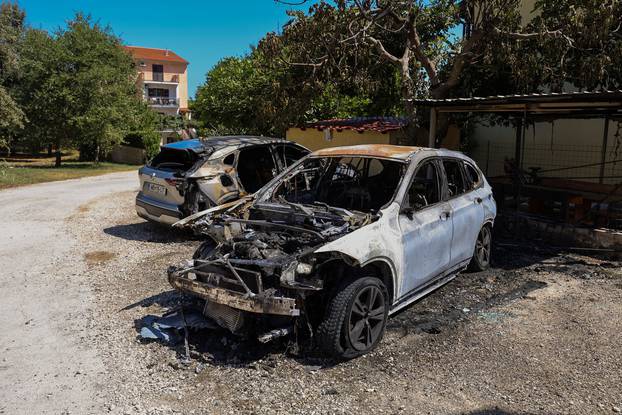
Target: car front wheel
column 483, row 249
column 355, row 318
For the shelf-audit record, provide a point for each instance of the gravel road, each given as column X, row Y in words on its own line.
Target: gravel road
column 45, row 366
column 539, row 333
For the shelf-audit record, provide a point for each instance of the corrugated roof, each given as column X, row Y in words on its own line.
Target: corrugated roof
column 360, row 124
column 551, row 97
column 166, row 55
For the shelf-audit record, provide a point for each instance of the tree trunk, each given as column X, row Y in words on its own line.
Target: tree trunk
column 49, row 150
column 58, row 155
column 97, row 155
column 409, row 107
column 443, row 119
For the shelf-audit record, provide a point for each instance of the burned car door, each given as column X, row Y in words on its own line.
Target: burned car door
column 467, row 211
column 425, row 222
column 214, row 184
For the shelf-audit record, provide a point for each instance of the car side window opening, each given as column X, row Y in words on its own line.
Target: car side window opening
column 424, row 189
column 255, row 167
column 229, row 160
column 472, row 176
column 455, row 181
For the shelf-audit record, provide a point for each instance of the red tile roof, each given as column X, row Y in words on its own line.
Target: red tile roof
column 361, row 124
column 155, row 54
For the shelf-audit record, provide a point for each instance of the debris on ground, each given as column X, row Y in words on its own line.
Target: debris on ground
column 170, row 327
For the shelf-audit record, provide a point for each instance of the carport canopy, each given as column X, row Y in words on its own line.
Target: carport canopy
column 536, row 107
column 600, row 104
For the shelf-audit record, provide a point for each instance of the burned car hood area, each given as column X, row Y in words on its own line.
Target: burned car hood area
column 260, row 268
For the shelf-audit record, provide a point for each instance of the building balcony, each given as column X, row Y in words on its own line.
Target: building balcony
column 163, row 102
column 160, row 78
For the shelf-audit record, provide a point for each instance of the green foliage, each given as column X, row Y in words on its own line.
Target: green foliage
column 99, row 77
column 238, row 95
column 591, row 56
column 11, row 31
column 259, row 94
column 77, row 89
column 42, row 93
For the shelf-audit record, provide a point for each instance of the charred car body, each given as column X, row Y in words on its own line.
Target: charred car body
column 192, row 175
column 345, row 237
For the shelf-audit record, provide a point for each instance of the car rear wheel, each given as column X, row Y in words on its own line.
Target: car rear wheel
column 483, row 249
column 355, row 318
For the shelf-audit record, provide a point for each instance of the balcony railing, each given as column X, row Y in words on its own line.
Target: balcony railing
column 160, row 77
column 163, row 102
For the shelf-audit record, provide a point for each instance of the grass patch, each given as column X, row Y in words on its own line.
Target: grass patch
column 23, row 170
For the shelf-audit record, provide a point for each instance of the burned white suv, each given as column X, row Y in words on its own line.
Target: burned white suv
column 192, row 175
column 338, row 242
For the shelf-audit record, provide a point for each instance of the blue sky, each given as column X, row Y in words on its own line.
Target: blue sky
column 202, row 32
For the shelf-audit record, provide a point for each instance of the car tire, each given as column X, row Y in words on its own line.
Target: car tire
column 482, row 251
column 355, row 318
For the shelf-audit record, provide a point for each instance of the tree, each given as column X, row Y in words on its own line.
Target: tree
column 101, row 80
column 248, row 96
column 257, row 94
column 78, row 89
column 442, row 48
column 43, row 95
column 419, row 39
column 11, row 31
column 591, row 55
column 143, row 125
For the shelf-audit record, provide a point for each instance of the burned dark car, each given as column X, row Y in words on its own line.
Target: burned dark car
column 189, row 176
column 336, row 243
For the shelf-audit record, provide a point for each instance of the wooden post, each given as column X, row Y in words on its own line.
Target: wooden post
column 603, row 153
column 519, row 143
column 518, row 149
column 432, row 136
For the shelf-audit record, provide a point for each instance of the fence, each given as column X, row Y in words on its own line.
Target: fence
column 572, row 162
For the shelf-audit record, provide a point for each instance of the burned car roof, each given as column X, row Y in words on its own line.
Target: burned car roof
column 199, row 145
column 370, row 150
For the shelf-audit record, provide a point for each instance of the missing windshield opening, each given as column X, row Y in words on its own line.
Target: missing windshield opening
column 352, row 183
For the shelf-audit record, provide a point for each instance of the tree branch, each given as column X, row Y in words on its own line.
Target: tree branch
column 526, row 36
column 383, row 51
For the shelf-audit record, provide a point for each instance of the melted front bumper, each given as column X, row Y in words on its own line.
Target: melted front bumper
column 261, row 303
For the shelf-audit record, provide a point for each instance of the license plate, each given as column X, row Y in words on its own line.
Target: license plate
column 156, row 188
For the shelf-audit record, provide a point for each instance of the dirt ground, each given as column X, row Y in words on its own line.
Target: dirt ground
column 538, row 333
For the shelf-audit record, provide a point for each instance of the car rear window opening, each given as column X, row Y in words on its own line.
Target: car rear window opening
column 175, row 160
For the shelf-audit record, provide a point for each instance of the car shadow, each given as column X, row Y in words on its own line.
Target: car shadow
column 215, row 346
column 149, row 232
column 469, row 297
column 166, row 299
column 219, row 347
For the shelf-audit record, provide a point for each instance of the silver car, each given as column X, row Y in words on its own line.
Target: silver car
column 193, row 175
column 338, row 242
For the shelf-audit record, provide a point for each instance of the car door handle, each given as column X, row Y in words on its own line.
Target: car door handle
column 445, row 215
column 478, row 200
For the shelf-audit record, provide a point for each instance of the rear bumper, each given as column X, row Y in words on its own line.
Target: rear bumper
column 157, row 211
column 254, row 303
